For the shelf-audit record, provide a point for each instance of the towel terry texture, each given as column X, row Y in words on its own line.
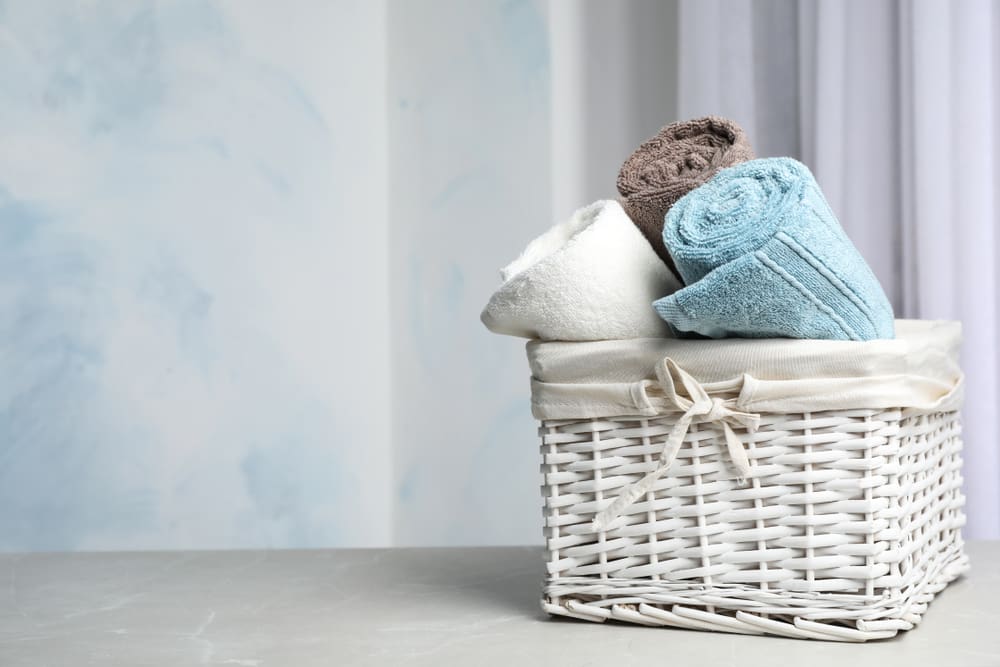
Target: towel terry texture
column 764, row 256
column 592, row 277
column 681, row 157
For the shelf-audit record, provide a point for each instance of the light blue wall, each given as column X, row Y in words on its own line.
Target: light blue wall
column 193, row 275
column 469, row 102
column 243, row 250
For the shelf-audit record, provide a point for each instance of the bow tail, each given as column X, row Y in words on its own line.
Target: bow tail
column 701, row 405
column 737, row 453
column 636, row 489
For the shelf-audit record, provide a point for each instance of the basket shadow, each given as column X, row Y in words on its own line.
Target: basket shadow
column 505, row 579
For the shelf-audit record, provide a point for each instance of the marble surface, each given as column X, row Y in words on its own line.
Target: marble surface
column 398, row 607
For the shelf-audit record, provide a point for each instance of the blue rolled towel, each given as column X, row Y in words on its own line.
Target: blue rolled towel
column 763, row 256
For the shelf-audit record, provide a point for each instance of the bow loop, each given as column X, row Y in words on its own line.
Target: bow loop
column 696, row 405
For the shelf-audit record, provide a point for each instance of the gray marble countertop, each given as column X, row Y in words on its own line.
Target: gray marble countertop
column 400, row 607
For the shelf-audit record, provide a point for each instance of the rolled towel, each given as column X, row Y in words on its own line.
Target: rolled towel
column 764, row 256
column 592, row 277
column 678, row 159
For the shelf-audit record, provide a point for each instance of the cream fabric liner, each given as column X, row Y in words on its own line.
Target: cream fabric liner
column 918, row 369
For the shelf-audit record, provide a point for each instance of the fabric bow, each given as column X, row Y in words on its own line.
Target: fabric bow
column 699, row 406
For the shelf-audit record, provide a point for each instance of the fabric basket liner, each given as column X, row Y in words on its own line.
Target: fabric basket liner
column 919, row 369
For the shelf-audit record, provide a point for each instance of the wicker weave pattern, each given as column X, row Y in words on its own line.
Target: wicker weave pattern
column 848, row 526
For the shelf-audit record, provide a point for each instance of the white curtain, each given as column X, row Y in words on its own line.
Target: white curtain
column 895, row 107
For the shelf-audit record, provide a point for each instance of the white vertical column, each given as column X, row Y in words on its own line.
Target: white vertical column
column 469, row 186
column 326, row 297
column 614, row 84
column 567, row 51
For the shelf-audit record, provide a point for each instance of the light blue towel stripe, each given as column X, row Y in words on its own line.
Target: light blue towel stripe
column 808, row 293
column 820, row 286
column 825, row 271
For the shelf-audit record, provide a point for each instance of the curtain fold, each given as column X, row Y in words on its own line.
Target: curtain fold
column 894, row 106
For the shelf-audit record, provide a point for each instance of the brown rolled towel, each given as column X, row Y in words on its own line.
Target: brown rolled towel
column 678, row 159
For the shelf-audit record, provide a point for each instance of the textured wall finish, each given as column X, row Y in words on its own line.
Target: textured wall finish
column 193, row 279
column 469, row 137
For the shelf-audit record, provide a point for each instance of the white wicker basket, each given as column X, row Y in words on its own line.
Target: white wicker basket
column 845, row 527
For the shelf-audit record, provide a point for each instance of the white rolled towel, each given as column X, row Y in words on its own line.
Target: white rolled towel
column 593, row 277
